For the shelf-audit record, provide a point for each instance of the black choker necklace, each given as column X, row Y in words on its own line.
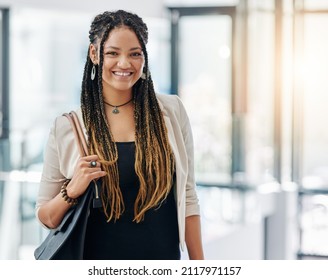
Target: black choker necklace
column 115, row 110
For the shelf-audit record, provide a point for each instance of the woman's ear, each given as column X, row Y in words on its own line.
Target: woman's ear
column 93, row 54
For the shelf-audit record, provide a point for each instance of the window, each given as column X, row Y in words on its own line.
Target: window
column 205, row 89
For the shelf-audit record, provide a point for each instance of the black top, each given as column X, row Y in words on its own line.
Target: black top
column 155, row 238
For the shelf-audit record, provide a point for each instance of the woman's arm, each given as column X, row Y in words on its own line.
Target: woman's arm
column 52, row 212
column 194, row 238
column 51, row 207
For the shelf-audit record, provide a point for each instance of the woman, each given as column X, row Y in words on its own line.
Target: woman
column 140, row 147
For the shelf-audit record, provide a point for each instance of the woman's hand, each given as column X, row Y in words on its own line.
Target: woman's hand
column 85, row 171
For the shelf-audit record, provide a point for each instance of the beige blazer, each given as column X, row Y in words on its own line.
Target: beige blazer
column 61, row 155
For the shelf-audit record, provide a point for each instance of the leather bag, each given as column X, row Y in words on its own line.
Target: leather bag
column 66, row 242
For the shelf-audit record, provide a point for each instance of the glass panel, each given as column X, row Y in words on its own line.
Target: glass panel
column 314, row 225
column 205, row 83
column 313, row 80
column 267, row 5
column 287, row 91
column 259, row 131
column 315, row 4
column 159, row 53
column 288, row 6
column 315, row 133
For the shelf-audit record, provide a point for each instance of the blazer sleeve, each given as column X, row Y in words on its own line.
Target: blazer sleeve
column 59, row 160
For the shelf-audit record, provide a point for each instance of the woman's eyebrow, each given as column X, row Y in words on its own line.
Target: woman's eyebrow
column 117, row 48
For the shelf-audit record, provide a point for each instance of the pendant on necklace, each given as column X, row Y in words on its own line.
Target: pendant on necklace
column 115, row 111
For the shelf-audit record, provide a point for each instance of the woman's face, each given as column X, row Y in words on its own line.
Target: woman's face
column 123, row 60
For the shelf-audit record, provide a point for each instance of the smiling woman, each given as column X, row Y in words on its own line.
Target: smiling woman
column 143, row 153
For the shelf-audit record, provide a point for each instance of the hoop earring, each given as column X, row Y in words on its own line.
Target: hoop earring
column 93, row 72
column 144, row 74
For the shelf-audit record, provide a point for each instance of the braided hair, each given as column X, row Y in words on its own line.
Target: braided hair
column 154, row 160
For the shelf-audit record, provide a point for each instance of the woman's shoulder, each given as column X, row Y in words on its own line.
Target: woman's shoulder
column 168, row 99
column 61, row 120
column 171, row 104
column 62, row 125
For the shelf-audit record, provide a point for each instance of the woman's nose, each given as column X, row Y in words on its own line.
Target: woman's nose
column 123, row 62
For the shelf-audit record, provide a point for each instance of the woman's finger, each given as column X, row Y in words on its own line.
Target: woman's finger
column 90, row 158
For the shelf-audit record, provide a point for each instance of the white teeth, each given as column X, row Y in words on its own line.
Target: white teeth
column 122, row 73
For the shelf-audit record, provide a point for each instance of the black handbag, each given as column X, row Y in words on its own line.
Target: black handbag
column 66, row 242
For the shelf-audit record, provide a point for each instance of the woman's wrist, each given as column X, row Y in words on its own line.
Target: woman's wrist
column 63, row 190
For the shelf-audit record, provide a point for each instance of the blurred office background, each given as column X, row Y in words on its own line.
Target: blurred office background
column 253, row 77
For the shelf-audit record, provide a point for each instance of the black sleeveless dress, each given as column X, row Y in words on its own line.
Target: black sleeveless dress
column 155, row 238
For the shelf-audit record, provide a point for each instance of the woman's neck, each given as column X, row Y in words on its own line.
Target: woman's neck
column 117, row 98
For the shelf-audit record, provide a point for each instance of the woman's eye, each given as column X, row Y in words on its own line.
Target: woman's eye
column 112, row 53
column 136, row 54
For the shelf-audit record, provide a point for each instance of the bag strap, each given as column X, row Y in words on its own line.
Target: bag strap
column 83, row 148
column 78, row 132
